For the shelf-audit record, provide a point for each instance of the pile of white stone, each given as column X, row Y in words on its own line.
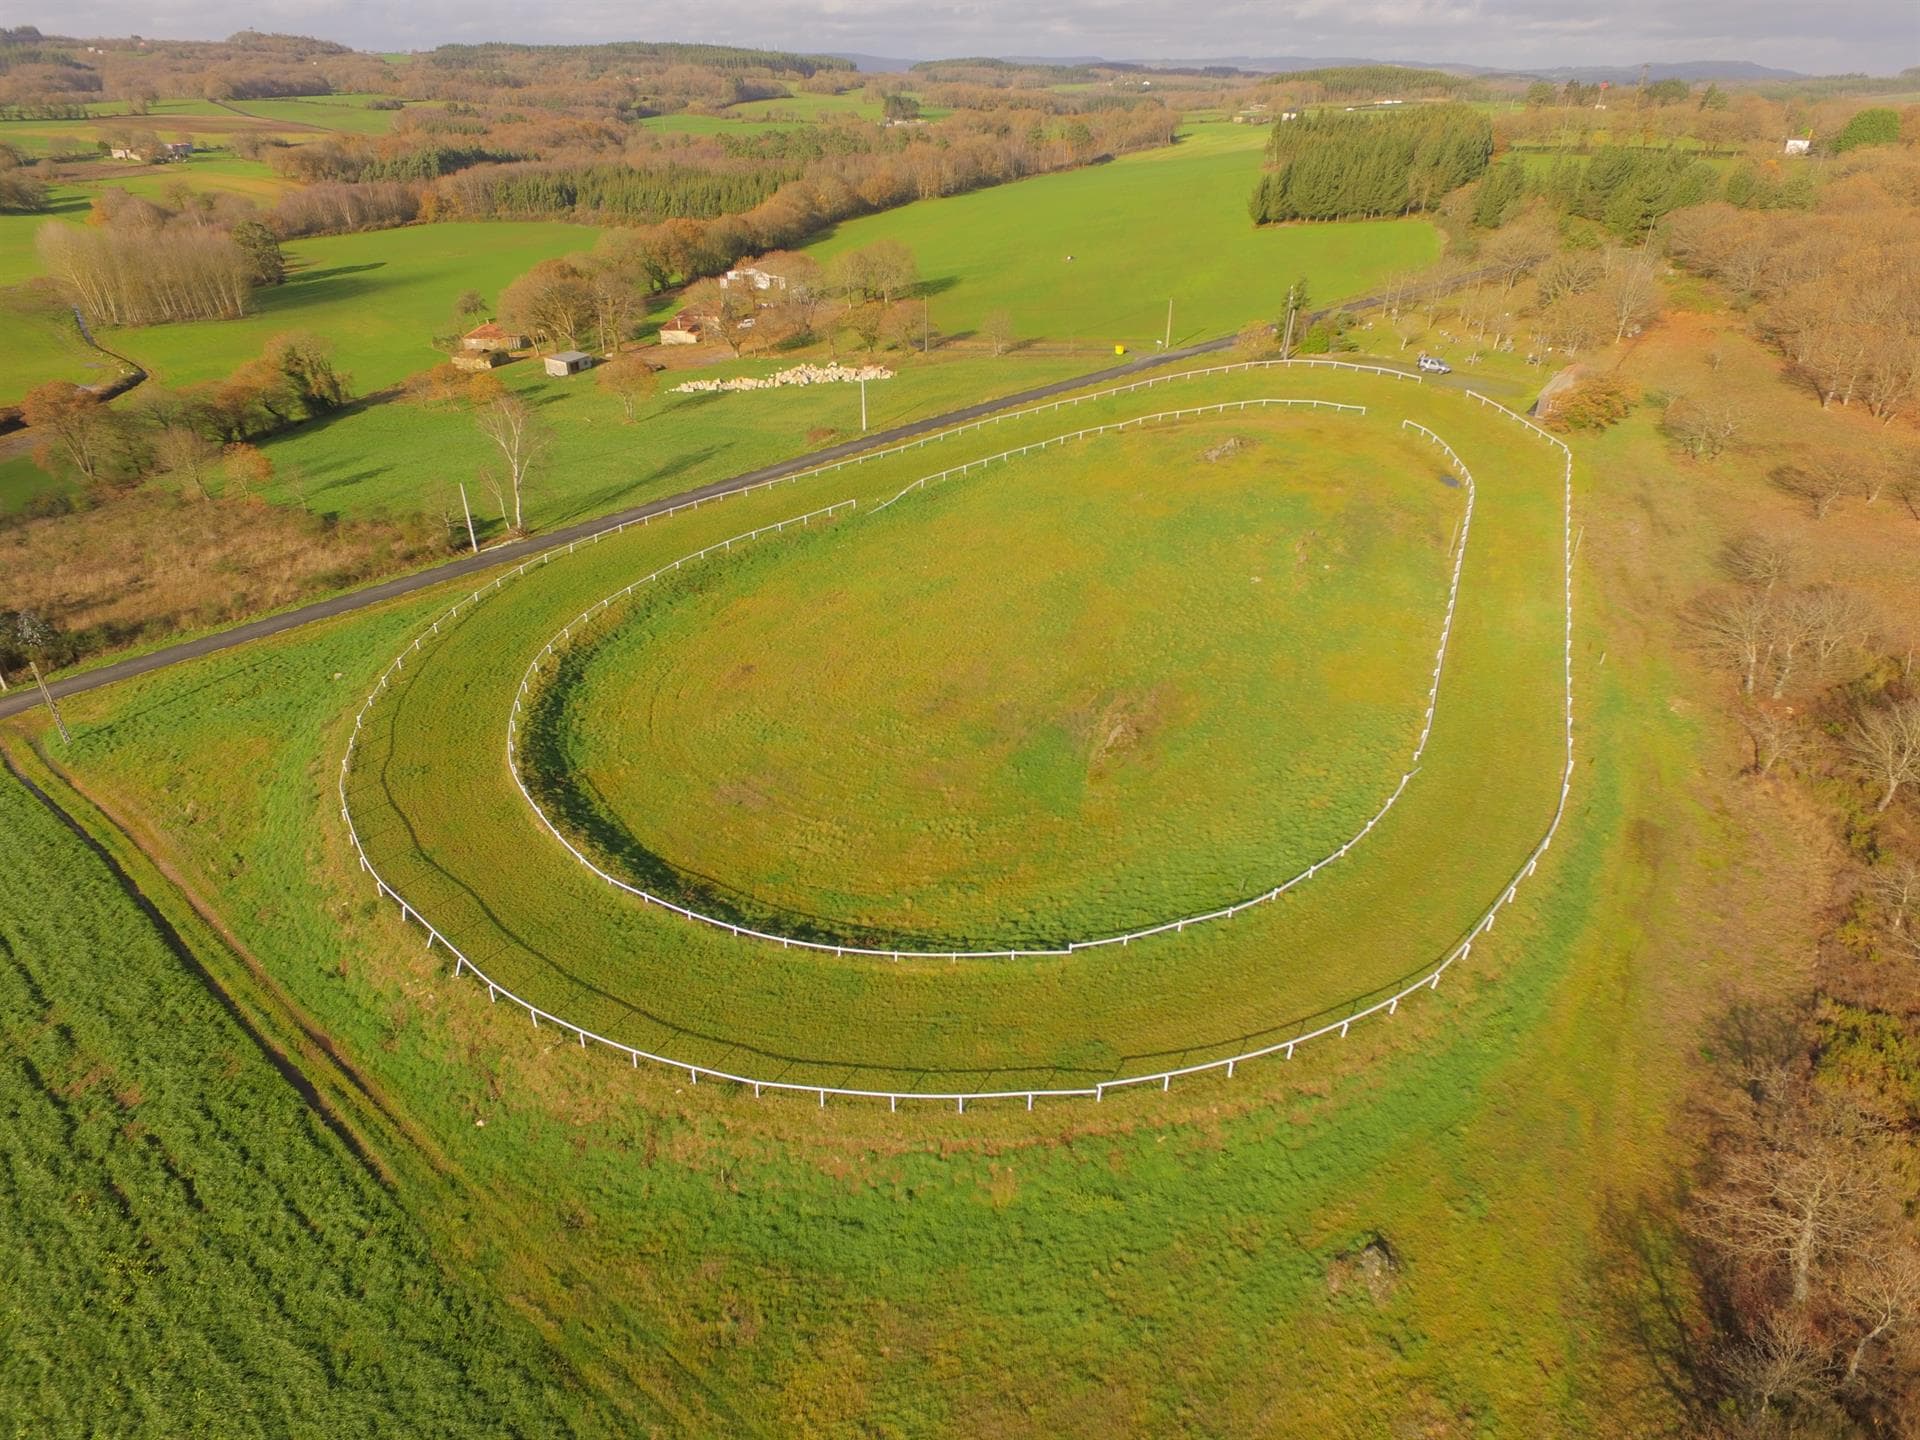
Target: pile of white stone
column 798, row 375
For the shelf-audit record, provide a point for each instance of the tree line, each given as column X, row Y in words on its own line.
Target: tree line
column 1328, row 165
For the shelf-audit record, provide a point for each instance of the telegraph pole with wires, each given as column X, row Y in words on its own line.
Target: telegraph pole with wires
column 34, row 636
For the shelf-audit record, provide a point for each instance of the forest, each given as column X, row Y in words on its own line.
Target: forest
column 1331, row 165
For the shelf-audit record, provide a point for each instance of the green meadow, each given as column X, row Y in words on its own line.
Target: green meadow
column 1097, row 688
column 378, row 298
column 1178, row 1264
column 345, row 113
column 458, row 839
column 1093, row 256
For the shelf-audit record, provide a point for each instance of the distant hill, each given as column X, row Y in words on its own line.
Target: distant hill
column 1281, row 64
column 874, row 64
column 1682, row 70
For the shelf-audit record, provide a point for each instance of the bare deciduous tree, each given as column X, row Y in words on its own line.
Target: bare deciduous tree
column 1884, row 745
column 187, row 455
column 1881, row 1294
column 1820, row 483
column 1703, row 426
column 516, row 432
column 1834, row 624
column 998, row 331
column 727, row 312
column 1740, row 628
column 1760, row 560
column 1895, row 883
column 1781, row 1360
column 1795, row 1206
column 1631, row 289
column 1776, row 736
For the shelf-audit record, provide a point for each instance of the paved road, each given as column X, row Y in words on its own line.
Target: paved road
column 25, row 697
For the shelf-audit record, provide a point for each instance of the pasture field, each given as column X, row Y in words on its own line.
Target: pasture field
column 465, row 849
column 378, row 297
column 208, row 123
column 806, row 107
column 1087, row 692
column 189, row 1233
column 44, row 343
column 401, row 457
column 1170, row 1264
column 347, row 114
column 398, row 458
column 1167, row 224
column 224, row 173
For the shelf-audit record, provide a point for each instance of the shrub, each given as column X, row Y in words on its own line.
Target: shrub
column 1868, row 127
column 1593, row 404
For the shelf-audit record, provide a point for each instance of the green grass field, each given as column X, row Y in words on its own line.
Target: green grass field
column 379, row 298
column 1162, row 225
column 1175, row 1264
column 1087, row 700
column 805, row 107
column 189, row 1233
column 400, row 457
column 347, row 114
column 574, row 945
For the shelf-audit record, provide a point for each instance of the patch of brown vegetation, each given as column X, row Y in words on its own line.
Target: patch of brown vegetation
column 150, row 563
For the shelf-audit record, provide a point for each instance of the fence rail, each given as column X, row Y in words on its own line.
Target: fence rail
column 554, row 645
column 960, row 1099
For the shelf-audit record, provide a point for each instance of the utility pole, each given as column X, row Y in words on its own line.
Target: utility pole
column 863, row 404
column 34, row 636
column 47, row 695
column 472, row 539
column 1296, row 297
column 1167, row 344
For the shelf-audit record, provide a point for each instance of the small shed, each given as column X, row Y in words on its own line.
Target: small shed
column 568, row 362
column 682, row 329
column 480, row 359
column 1797, row 145
column 493, row 337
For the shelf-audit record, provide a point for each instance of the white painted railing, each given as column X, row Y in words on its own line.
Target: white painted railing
column 1164, row 1078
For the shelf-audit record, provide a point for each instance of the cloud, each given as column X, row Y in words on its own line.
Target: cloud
column 1875, row 35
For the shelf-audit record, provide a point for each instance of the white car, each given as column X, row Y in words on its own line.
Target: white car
column 1433, row 365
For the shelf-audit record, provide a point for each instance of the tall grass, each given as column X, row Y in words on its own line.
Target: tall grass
column 193, row 1250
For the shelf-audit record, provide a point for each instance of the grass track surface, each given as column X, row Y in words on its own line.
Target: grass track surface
column 440, row 814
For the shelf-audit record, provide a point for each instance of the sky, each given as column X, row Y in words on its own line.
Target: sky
column 1878, row 36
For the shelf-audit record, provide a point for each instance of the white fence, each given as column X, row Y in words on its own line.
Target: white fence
column 1164, row 1078
column 530, row 676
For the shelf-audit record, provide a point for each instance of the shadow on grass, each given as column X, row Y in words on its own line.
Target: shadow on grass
column 608, row 497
